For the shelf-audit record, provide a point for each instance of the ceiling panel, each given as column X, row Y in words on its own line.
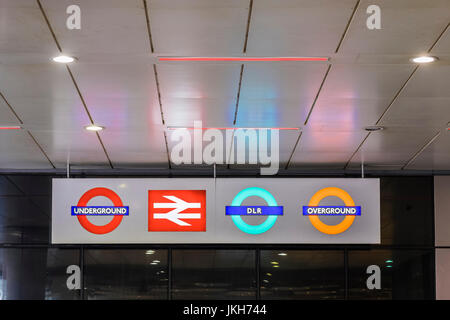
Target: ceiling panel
column 45, row 98
column 120, row 92
column 425, row 100
column 107, row 26
column 407, row 27
column 354, row 96
column 18, row 151
column 81, row 148
column 6, row 115
column 326, row 146
column 123, row 98
column 443, row 45
column 393, row 146
column 198, row 27
column 23, row 30
column 418, row 112
column 35, row 80
column 278, row 94
column 297, row 27
column 436, row 156
column 204, row 92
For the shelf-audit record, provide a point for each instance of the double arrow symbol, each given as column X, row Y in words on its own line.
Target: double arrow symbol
column 175, row 215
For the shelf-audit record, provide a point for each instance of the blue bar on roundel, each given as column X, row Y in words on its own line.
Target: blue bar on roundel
column 254, row 210
column 331, row 211
column 100, row 211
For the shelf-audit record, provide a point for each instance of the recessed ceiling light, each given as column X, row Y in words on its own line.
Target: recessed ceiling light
column 274, row 262
column 373, row 128
column 94, row 127
column 282, row 254
column 150, row 252
column 63, row 59
column 424, row 59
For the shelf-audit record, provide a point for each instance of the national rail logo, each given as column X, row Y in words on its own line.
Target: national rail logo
column 313, row 210
column 82, row 210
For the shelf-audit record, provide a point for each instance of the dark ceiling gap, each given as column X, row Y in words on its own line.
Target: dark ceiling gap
column 295, row 147
column 347, row 27
column 244, row 51
column 149, row 30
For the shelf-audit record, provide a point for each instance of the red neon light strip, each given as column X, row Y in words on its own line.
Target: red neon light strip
column 243, row 59
column 261, row 128
column 10, row 128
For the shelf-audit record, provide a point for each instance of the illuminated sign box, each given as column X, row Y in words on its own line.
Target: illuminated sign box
column 231, row 210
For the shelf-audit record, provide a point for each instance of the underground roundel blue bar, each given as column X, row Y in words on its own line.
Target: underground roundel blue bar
column 258, row 192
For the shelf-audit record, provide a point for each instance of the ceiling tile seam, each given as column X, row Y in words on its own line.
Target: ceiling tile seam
column 72, row 77
column 416, row 155
column 238, row 95
column 250, row 9
column 11, row 108
column 149, row 30
column 357, row 149
column 396, row 95
column 439, row 37
column 28, row 131
column 293, row 150
column 167, row 150
column 104, row 150
column 347, row 27
column 158, row 92
column 49, row 25
column 317, row 95
column 40, row 148
column 83, row 102
column 244, row 50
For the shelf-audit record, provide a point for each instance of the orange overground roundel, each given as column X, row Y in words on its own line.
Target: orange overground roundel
column 327, row 192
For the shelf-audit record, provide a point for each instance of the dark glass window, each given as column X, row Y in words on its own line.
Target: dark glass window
column 305, row 274
column 37, row 273
column 126, row 274
column 407, row 211
column 213, row 274
column 25, row 209
column 404, row 274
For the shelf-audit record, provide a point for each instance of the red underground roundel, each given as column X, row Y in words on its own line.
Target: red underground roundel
column 97, row 192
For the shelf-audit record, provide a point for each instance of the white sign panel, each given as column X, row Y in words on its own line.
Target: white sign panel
column 225, row 210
